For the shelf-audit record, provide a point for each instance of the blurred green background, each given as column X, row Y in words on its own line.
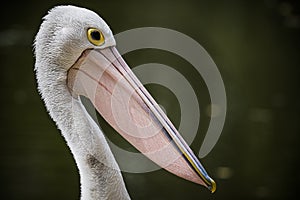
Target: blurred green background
column 256, row 46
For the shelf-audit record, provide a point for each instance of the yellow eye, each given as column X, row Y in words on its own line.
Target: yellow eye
column 95, row 36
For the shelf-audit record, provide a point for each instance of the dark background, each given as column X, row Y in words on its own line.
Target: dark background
column 255, row 45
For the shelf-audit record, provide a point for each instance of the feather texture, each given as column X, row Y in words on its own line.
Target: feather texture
column 58, row 44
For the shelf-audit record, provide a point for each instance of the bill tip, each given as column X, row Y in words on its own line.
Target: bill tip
column 213, row 186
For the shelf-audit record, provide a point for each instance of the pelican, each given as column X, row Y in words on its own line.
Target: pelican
column 76, row 55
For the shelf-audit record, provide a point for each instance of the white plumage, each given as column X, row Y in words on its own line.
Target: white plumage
column 62, row 29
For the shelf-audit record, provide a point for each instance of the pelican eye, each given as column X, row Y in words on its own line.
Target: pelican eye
column 95, row 36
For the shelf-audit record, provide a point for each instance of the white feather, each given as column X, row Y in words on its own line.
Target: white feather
column 59, row 42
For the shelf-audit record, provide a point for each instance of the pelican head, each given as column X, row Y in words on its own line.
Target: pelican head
column 76, row 55
column 63, row 35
